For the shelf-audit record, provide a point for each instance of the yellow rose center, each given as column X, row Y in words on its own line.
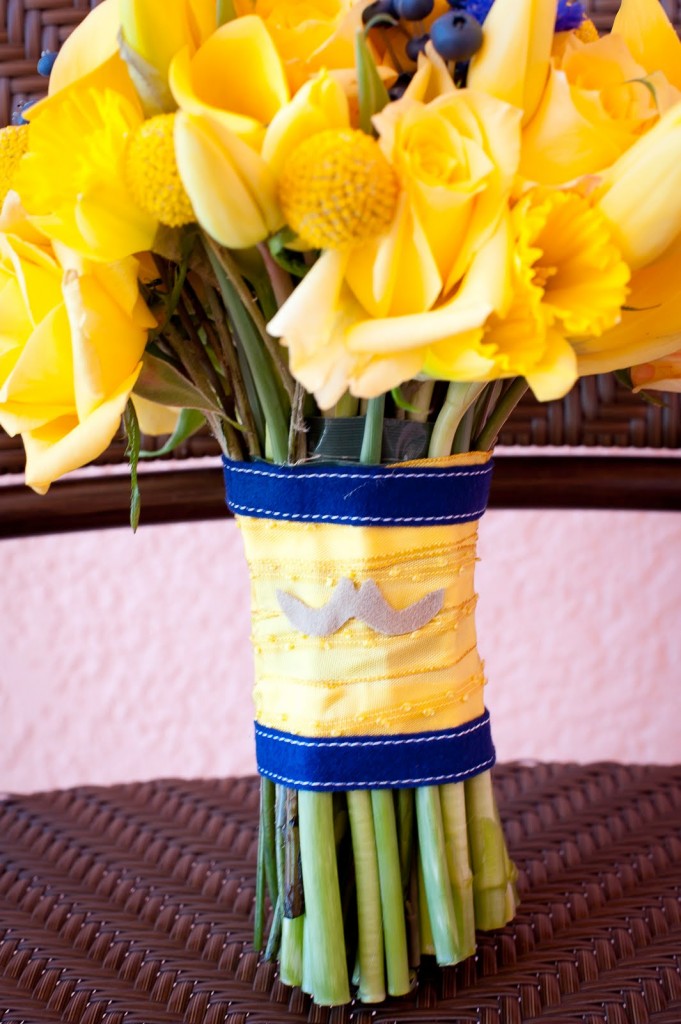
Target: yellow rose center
column 152, row 175
column 13, row 145
column 337, row 189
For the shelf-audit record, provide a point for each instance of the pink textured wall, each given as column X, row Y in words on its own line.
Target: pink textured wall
column 126, row 657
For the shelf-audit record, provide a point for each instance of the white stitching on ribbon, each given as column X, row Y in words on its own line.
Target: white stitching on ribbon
column 382, row 782
column 412, row 474
column 331, row 741
column 312, row 517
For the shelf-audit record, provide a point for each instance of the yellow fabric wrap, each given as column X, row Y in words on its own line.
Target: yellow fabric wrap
column 358, row 681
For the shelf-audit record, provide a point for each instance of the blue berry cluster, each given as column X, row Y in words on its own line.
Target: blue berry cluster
column 456, row 35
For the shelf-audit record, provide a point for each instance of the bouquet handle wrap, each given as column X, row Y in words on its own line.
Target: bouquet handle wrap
column 367, row 669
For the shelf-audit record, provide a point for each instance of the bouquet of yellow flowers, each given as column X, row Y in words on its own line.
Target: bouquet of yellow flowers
column 347, row 236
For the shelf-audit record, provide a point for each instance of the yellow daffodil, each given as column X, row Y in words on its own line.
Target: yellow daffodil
column 650, row 326
column 513, row 63
column 72, row 179
column 228, row 92
column 374, row 306
column 601, row 97
column 90, row 55
column 73, row 334
column 568, row 278
column 308, row 36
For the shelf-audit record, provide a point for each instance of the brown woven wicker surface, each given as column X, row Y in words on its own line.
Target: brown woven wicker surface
column 133, row 905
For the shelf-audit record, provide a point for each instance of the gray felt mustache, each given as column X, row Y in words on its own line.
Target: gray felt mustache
column 366, row 604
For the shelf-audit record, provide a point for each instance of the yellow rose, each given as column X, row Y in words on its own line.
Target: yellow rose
column 73, row 337
column 601, row 96
column 370, row 311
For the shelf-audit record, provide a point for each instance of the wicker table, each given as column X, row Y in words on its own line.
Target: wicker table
column 133, row 905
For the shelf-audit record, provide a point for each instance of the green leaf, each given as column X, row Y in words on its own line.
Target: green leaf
column 189, row 421
column 132, row 430
column 252, row 348
column 401, row 402
column 373, row 95
column 160, row 382
column 287, row 259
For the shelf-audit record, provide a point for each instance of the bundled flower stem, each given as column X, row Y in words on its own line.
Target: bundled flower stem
column 263, row 216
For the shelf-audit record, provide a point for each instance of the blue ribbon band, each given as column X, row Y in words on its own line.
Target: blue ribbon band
column 375, row 762
column 359, row 495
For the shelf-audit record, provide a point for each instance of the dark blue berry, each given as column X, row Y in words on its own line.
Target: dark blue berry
column 456, row 36
column 414, row 10
column 46, row 62
column 398, row 88
column 380, row 7
column 416, row 46
column 18, row 114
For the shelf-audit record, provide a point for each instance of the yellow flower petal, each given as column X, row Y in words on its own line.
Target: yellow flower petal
column 513, row 63
column 651, row 322
column 640, row 194
column 230, row 186
column 66, row 444
column 650, row 36
column 320, row 105
column 92, row 49
column 556, row 372
column 237, row 71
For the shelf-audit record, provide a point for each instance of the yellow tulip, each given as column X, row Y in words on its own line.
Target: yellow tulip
column 158, row 29
column 650, row 36
column 640, row 193
column 310, row 36
column 513, row 63
column 230, row 186
column 73, row 336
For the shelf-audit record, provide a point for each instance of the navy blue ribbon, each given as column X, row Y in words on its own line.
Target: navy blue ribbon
column 375, row 762
column 359, row 495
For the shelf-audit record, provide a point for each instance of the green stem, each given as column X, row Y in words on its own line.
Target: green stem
column 370, row 923
column 259, row 924
column 425, row 930
column 325, row 966
column 267, row 826
column 405, row 832
column 459, row 399
column 257, row 354
column 503, row 409
column 291, row 955
column 453, row 801
column 493, row 871
column 372, row 442
column 392, row 898
column 436, row 876
column 274, row 938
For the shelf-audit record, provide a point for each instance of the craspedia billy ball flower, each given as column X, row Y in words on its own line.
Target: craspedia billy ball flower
column 151, row 172
column 13, row 145
column 337, row 189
